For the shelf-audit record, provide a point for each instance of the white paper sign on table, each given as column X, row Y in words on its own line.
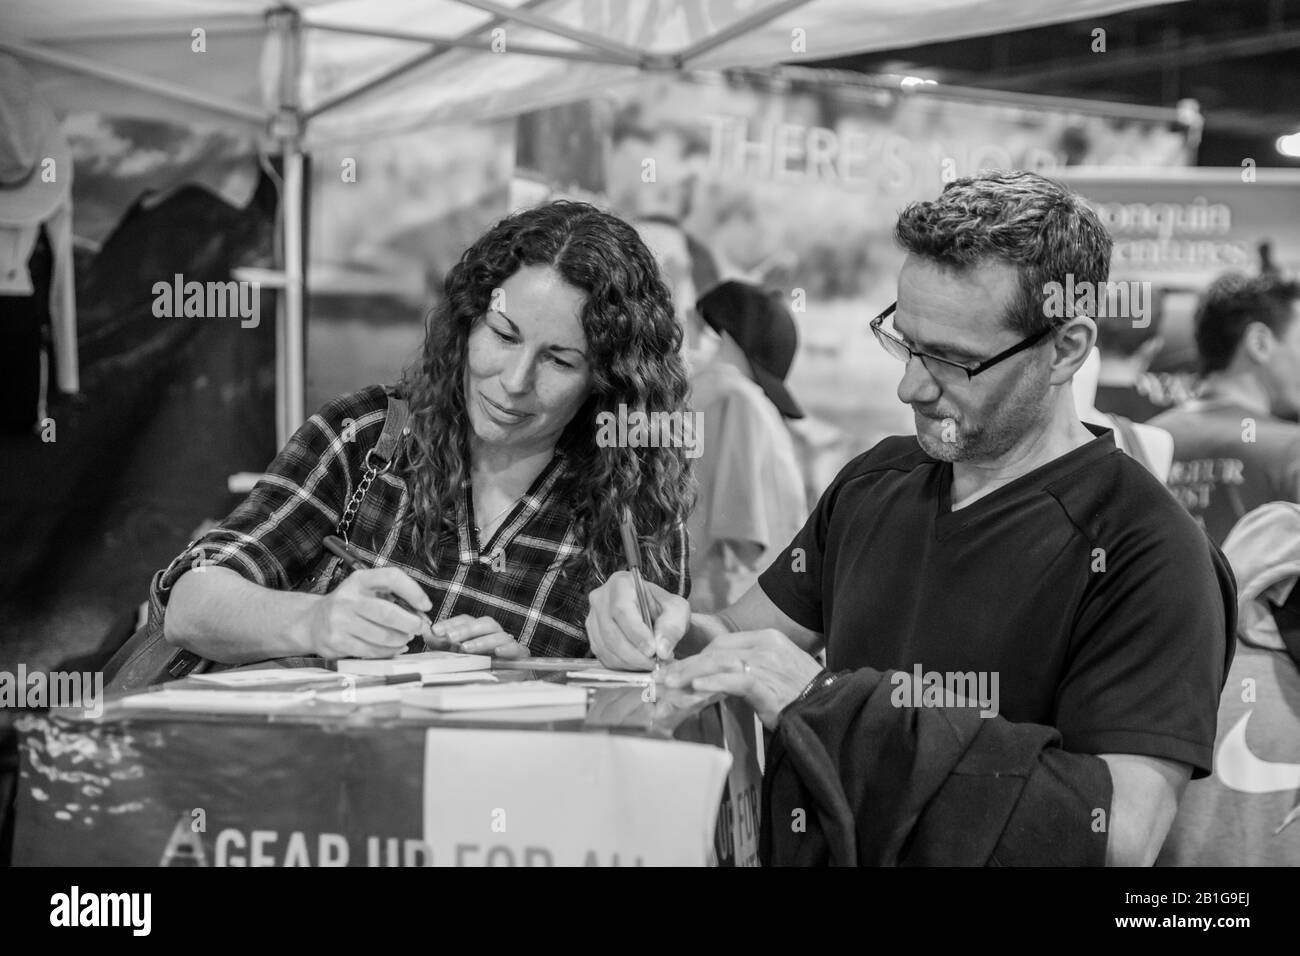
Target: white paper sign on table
column 518, row 798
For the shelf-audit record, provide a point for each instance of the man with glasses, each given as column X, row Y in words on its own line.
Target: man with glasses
column 1007, row 546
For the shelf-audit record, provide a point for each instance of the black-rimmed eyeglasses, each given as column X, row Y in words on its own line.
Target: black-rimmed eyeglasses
column 900, row 350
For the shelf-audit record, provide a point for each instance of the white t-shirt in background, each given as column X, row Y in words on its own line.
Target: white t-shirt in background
column 751, row 493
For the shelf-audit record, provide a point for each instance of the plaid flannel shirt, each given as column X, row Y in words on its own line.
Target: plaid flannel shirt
column 274, row 538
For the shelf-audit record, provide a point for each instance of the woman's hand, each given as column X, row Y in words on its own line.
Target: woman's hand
column 356, row 619
column 616, row 632
column 477, row 635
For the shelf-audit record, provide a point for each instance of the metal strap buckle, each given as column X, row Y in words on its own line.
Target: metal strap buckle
column 376, row 464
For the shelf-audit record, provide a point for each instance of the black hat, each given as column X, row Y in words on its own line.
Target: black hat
column 763, row 328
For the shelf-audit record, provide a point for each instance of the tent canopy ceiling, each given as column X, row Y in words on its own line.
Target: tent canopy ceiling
column 323, row 72
column 368, row 67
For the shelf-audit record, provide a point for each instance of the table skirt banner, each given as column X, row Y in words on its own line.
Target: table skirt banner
column 196, row 791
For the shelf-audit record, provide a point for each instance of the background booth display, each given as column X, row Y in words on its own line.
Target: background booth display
column 793, row 179
column 1180, row 229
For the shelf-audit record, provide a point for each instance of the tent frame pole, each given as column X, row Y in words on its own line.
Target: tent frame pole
column 115, row 30
column 292, row 341
column 474, row 43
column 756, row 19
column 345, row 96
column 139, row 81
column 290, row 390
column 628, row 55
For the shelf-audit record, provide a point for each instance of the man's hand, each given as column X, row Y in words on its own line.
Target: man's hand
column 764, row 667
column 617, row 634
column 477, row 635
column 357, row 620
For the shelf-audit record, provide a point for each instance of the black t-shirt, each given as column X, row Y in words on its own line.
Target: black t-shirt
column 1084, row 585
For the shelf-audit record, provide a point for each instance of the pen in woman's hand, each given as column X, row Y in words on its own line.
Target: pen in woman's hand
column 632, row 553
column 355, row 562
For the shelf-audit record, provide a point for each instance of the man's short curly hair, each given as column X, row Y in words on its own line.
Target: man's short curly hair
column 1231, row 303
column 1017, row 217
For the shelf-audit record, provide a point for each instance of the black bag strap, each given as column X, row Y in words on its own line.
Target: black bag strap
column 395, row 428
column 379, row 459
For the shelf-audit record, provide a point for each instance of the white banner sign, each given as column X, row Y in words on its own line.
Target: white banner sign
column 516, row 798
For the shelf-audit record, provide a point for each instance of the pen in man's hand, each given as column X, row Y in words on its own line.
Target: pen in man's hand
column 633, row 555
column 355, row 562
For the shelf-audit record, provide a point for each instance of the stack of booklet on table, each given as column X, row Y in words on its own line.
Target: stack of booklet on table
column 430, row 662
column 422, row 681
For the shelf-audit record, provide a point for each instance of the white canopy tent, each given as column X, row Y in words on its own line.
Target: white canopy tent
column 334, row 71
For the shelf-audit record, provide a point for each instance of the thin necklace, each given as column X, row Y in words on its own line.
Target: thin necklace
column 488, row 526
column 499, row 515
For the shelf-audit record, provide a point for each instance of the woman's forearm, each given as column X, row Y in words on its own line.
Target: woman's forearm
column 226, row 618
column 701, row 632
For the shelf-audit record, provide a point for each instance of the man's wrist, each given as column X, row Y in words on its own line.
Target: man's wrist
column 821, row 680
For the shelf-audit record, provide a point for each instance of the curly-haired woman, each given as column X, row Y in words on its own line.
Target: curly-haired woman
column 499, row 509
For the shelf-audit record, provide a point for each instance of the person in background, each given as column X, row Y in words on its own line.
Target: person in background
column 688, row 269
column 501, row 508
column 751, row 497
column 1126, row 354
column 667, row 241
column 746, row 246
column 752, row 493
column 1006, row 542
column 37, row 284
column 1248, row 812
column 1237, row 446
column 1153, row 448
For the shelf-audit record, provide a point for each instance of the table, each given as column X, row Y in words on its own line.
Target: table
column 629, row 782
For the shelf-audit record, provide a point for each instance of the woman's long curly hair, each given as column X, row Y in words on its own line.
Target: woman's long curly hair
column 633, row 340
